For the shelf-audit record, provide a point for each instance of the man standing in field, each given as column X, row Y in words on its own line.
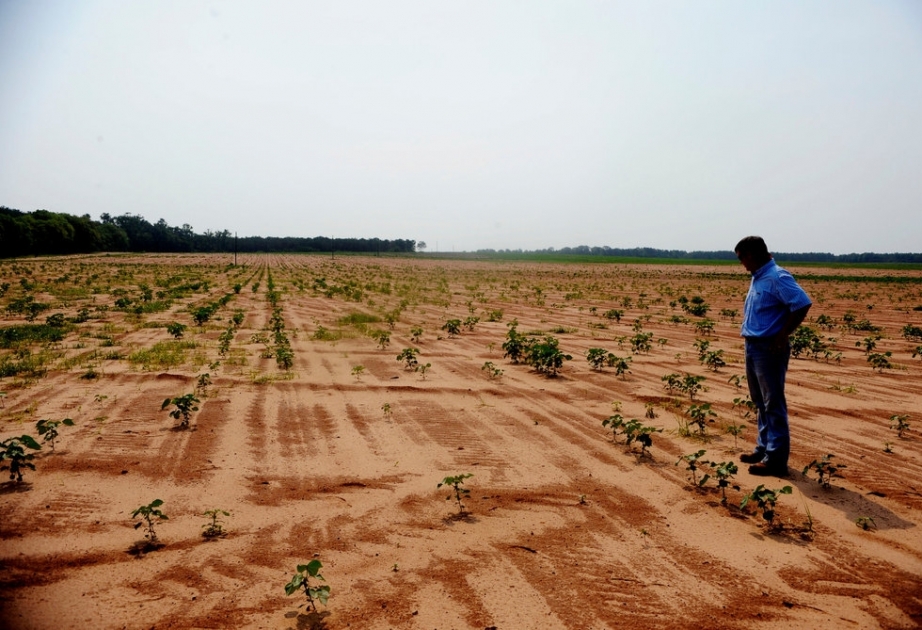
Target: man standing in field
column 775, row 306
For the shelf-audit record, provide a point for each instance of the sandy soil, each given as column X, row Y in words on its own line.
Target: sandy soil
column 563, row 527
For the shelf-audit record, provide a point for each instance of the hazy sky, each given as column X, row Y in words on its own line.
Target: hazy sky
column 468, row 125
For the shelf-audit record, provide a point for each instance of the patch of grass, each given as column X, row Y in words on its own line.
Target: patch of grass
column 16, row 336
column 164, row 354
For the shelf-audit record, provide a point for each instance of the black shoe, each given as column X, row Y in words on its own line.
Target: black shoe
column 752, row 458
column 766, row 469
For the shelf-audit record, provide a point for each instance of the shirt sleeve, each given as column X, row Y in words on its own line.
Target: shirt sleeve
column 791, row 293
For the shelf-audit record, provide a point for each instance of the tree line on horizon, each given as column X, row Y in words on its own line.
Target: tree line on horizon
column 681, row 254
column 43, row 232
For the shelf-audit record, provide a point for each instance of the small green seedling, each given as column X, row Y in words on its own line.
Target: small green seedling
column 408, row 355
column 423, row 370
column 302, row 579
column 693, row 461
column 382, row 337
column 900, row 422
column 214, row 528
column 176, row 329
column 825, row 468
column 491, row 369
column 766, row 500
column 48, row 429
column 724, row 472
column 201, row 385
column 456, row 484
column 736, row 430
column 615, row 423
column 149, row 512
column 415, row 333
column 452, row 327
column 386, row 408
column 700, row 415
column 14, row 450
column 185, row 405
column 357, row 371
column 866, row 522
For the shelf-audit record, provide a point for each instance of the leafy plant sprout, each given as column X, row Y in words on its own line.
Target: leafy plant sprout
column 736, row 380
column 693, row 461
column 14, row 450
column 382, row 337
column 357, row 371
column 202, row 383
column 48, row 429
column 408, row 355
column 185, row 405
column 724, row 472
column 866, row 522
column 736, row 430
column 457, row 485
column 423, row 370
column 700, row 415
column 386, row 408
column 824, row 468
column 214, row 528
column 415, row 333
column 900, row 422
column 302, row 580
column 766, row 500
column 491, row 370
column 452, row 327
column 148, row 513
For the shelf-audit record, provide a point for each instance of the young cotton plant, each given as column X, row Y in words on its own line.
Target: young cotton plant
column 14, row 451
column 302, row 580
column 148, row 513
column 824, row 468
column 48, row 429
column 766, row 500
column 185, row 405
column 457, row 485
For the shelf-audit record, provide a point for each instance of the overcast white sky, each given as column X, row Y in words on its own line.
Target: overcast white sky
column 468, row 125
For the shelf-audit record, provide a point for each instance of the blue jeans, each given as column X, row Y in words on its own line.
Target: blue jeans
column 765, row 372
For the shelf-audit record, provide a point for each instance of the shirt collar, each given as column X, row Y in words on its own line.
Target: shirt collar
column 761, row 271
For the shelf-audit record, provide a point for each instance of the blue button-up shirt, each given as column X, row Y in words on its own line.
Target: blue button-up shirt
column 773, row 294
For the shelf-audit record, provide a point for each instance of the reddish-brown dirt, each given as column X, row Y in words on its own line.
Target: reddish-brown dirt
column 563, row 526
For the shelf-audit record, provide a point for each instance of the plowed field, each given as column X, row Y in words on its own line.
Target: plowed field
column 339, row 457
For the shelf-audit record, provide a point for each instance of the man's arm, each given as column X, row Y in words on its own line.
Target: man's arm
column 794, row 319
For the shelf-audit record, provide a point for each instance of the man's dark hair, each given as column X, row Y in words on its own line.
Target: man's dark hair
column 754, row 246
